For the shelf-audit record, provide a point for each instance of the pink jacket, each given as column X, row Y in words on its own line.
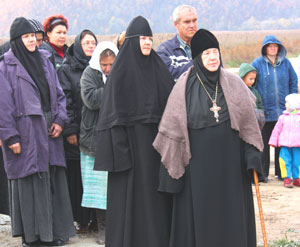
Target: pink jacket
column 286, row 131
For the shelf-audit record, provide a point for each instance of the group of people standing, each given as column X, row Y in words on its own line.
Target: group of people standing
column 46, row 111
column 93, row 134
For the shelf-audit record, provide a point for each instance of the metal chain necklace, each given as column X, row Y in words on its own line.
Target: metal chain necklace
column 215, row 108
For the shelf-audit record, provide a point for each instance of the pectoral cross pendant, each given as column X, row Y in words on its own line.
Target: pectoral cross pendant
column 215, row 110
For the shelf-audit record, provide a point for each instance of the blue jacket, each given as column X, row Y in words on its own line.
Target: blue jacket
column 276, row 81
column 22, row 118
column 174, row 57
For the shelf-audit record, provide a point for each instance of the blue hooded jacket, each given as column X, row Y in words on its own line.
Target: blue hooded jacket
column 275, row 81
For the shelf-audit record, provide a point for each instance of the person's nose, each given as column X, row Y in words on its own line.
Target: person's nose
column 212, row 56
column 107, row 70
column 192, row 24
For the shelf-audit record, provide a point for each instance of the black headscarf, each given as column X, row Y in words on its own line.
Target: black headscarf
column 198, row 102
column 78, row 51
column 138, row 86
column 31, row 61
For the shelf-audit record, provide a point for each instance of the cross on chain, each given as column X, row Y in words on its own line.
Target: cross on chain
column 215, row 110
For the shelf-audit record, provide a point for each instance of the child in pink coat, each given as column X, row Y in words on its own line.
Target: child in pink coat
column 286, row 134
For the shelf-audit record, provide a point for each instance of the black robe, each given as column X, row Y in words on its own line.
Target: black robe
column 4, row 203
column 134, row 98
column 213, row 204
column 137, row 214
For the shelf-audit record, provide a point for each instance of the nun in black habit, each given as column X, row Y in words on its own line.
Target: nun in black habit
column 133, row 102
column 210, row 143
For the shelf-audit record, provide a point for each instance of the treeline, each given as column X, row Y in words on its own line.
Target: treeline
column 111, row 17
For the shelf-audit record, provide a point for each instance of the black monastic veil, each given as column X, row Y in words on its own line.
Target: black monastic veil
column 134, row 99
column 138, row 86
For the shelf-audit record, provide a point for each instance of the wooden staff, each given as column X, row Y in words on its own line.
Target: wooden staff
column 261, row 215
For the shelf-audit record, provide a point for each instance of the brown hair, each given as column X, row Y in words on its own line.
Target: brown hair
column 121, row 39
column 54, row 20
column 107, row 53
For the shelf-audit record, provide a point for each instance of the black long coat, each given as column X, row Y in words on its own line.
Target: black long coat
column 4, row 204
column 69, row 74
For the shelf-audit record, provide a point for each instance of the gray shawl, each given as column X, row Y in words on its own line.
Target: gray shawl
column 172, row 140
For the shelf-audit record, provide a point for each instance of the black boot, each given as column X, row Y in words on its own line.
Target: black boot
column 101, row 215
column 29, row 244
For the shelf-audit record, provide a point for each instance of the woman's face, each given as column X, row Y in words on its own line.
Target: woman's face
column 272, row 50
column 29, row 40
column 106, row 63
column 146, row 45
column 58, row 35
column 88, row 44
column 211, row 59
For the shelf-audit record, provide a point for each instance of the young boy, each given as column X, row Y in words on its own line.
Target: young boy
column 248, row 73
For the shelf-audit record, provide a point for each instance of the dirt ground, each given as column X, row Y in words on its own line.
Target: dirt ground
column 281, row 208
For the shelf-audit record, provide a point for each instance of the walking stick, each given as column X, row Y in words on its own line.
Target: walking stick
column 261, row 215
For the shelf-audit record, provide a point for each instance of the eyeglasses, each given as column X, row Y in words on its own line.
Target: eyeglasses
column 89, row 43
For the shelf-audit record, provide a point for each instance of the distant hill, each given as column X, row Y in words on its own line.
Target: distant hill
column 112, row 16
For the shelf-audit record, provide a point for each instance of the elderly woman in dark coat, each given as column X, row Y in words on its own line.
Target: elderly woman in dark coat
column 210, row 143
column 32, row 116
column 92, row 83
column 76, row 60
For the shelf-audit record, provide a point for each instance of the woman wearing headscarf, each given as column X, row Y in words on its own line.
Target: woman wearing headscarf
column 56, row 28
column 134, row 98
column 92, row 83
column 39, row 33
column 69, row 74
column 32, row 116
column 210, row 142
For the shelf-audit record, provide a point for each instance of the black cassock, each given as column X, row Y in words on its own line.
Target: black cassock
column 137, row 214
column 213, row 203
column 4, row 202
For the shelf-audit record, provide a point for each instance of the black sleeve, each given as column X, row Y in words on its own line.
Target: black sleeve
column 253, row 159
column 64, row 76
column 112, row 150
column 169, row 184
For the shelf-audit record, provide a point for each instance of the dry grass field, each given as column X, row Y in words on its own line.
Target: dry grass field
column 236, row 46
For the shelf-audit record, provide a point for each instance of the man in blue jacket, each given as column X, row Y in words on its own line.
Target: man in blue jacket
column 176, row 52
column 276, row 79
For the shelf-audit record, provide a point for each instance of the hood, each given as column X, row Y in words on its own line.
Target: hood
column 72, row 60
column 245, row 68
column 271, row 39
